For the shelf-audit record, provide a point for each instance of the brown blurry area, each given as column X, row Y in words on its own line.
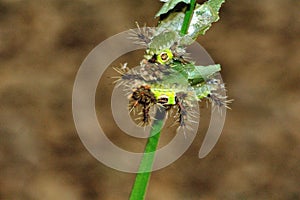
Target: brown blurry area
column 42, row 44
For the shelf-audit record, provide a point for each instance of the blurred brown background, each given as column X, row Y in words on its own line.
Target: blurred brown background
column 43, row 43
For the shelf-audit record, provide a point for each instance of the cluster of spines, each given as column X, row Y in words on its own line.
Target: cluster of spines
column 142, row 36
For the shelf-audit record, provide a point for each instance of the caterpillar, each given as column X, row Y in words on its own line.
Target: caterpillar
column 168, row 78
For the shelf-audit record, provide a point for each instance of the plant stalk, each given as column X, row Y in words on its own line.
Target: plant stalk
column 142, row 178
column 187, row 18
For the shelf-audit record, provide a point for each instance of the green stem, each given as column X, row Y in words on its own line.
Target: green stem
column 187, row 18
column 142, row 178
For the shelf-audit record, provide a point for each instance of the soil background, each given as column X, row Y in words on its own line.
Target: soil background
column 43, row 43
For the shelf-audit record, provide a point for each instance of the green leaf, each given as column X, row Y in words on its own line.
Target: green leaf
column 195, row 74
column 203, row 72
column 204, row 16
column 169, row 5
column 215, row 4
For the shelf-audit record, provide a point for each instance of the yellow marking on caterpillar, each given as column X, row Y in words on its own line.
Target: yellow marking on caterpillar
column 165, row 93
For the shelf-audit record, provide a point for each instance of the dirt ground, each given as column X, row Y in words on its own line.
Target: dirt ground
column 42, row 45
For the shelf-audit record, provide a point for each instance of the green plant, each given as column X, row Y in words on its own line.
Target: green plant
column 167, row 77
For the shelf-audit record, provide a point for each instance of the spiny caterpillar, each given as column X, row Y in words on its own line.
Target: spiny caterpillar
column 166, row 76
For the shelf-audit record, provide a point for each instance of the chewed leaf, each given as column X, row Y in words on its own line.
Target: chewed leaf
column 169, row 5
column 215, row 4
column 204, row 15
